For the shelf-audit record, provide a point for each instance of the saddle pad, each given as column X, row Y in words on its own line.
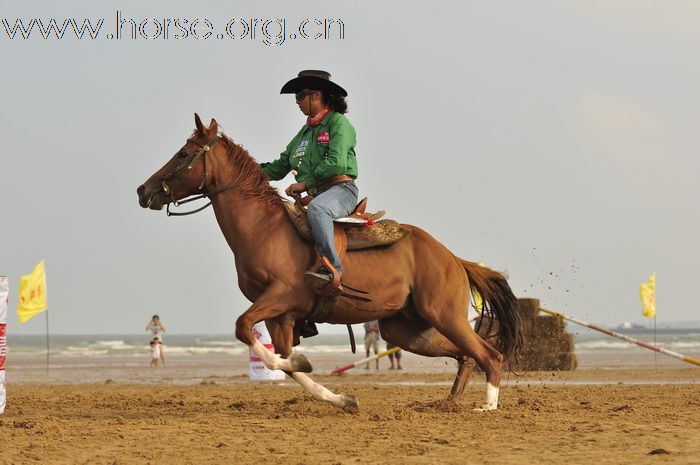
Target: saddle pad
column 381, row 233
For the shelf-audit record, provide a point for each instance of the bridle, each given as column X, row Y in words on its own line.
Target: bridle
column 188, row 163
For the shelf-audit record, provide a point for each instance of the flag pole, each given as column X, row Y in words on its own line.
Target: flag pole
column 670, row 353
column 47, row 341
column 655, row 339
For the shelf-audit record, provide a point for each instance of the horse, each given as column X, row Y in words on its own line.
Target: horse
column 420, row 291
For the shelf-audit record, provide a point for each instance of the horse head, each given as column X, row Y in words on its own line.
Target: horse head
column 185, row 173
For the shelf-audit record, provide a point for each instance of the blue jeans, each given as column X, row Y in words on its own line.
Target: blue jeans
column 335, row 202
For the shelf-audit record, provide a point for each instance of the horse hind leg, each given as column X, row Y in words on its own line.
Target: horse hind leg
column 488, row 358
column 418, row 337
column 452, row 323
column 464, row 372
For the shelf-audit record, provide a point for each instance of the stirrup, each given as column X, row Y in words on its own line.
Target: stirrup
column 331, row 283
column 322, row 283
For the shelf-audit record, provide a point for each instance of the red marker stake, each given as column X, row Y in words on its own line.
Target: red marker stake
column 339, row 370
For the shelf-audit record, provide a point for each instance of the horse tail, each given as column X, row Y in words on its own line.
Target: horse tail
column 498, row 303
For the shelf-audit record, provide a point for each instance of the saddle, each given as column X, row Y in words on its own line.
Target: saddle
column 357, row 231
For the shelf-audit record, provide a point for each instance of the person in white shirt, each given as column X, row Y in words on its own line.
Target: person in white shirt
column 156, row 353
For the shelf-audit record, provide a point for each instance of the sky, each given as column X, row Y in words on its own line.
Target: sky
column 555, row 141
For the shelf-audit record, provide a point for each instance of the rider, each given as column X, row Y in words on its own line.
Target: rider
column 322, row 158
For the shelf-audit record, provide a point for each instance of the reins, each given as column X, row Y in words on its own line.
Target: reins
column 202, row 152
column 196, row 197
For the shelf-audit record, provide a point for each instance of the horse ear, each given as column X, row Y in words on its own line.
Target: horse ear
column 198, row 124
column 213, row 126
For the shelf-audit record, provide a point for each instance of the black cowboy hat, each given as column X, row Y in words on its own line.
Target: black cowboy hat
column 315, row 80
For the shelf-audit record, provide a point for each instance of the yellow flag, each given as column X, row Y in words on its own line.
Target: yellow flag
column 32, row 293
column 647, row 292
column 478, row 300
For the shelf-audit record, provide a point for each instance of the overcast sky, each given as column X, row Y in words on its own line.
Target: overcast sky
column 556, row 141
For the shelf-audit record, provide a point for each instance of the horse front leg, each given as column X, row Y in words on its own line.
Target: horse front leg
column 282, row 334
column 345, row 401
column 281, row 331
column 267, row 308
column 280, row 323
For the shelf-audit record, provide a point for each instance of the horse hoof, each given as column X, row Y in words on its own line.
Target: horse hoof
column 300, row 363
column 486, row 408
column 349, row 403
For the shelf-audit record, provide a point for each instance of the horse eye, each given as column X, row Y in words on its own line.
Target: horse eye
column 182, row 153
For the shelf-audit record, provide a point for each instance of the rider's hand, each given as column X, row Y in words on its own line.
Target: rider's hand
column 296, row 188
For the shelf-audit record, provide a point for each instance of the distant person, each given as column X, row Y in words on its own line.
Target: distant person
column 396, row 355
column 372, row 340
column 157, row 329
column 156, row 352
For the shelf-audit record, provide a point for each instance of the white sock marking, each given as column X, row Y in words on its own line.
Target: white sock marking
column 491, row 394
column 318, row 391
column 271, row 360
column 491, row 398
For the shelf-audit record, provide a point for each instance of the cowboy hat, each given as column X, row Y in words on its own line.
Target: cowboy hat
column 315, row 80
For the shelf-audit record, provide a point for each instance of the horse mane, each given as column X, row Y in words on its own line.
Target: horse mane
column 252, row 181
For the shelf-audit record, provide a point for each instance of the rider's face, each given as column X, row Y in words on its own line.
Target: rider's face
column 304, row 100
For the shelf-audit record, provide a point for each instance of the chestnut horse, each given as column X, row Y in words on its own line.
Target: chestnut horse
column 420, row 291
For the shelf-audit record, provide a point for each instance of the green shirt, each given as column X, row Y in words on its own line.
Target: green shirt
column 318, row 154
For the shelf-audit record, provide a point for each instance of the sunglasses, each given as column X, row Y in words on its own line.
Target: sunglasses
column 302, row 94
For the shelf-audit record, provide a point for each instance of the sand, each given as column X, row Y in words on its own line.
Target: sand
column 612, row 416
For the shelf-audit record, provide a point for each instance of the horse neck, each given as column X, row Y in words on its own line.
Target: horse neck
column 244, row 219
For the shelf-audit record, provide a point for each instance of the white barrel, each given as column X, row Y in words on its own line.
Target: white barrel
column 258, row 370
column 4, row 293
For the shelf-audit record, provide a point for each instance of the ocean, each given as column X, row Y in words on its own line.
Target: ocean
column 123, row 345
column 588, row 344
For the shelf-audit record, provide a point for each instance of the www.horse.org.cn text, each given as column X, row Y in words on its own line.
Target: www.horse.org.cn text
column 267, row 31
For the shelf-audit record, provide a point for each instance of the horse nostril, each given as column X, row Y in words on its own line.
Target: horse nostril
column 141, row 189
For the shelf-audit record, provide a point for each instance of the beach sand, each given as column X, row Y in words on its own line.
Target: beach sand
column 205, row 410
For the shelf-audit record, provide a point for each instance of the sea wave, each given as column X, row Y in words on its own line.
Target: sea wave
column 599, row 345
column 322, row 349
column 82, row 351
column 231, row 343
column 685, row 345
column 24, row 351
column 112, row 347
column 194, row 350
column 603, row 345
column 117, row 344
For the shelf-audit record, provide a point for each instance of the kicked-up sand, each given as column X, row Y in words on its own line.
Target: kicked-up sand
column 181, row 415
